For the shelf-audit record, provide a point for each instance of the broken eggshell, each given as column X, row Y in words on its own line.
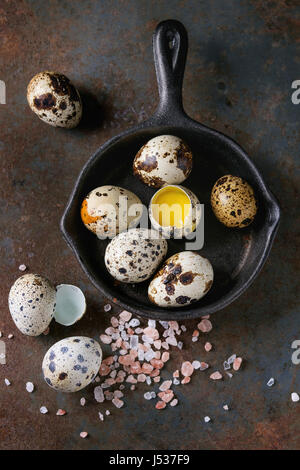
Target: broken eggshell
column 54, row 99
column 33, row 302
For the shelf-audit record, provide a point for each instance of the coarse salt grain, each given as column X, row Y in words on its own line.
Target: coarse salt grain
column 107, row 412
column 165, row 385
column 208, row 347
column 98, row 394
column 160, row 405
column 174, row 402
column 271, row 382
column 82, row 401
column 61, row 412
column 196, row 365
column 106, row 339
column 237, row 363
column 117, row 402
column 183, row 328
column 43, row 410
column 22, row 267
column 10, row 336
column 125, row 316
column 29, row 387
column 216, row 375
column 7, row 382
column 226, row 407
column 187, row 369
column 101, row 417
column 295, row 397
column 207, row 419
column 107, row 308
column 83, row 434
column 205, row 326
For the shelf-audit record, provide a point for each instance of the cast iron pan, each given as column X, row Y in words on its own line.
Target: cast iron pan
column 237, row 255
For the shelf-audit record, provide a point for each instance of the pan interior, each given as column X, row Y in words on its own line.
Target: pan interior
column 233, row 253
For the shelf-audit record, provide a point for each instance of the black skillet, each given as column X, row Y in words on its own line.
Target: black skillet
column 237, row 255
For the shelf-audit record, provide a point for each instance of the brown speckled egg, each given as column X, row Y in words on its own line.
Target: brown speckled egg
column 233, row 201
column 54, row 99
column 165, row 159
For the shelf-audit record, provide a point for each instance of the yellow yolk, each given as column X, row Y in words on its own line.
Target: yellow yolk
column 85, row 217
column 170, row 207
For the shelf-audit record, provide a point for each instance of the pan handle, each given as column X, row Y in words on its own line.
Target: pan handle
column 170, row 45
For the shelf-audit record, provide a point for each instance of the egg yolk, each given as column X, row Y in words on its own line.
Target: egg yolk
column 170, row 207
column 85, row 217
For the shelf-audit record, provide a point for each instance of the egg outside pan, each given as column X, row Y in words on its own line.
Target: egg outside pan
column 165, row 159
column 70, row 304
column 72, row 363
column 31, row 303
column 233, row 201
column 182, row 280
column 191, row 219
column 54, row 99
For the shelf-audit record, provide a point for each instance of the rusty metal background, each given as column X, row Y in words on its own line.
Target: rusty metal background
column 242, row 60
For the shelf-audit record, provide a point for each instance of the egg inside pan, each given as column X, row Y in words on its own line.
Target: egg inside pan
column 233, row 253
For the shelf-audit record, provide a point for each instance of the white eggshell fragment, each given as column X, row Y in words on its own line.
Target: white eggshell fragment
column 109, row 210
column 72, row 363
column 183, row 279
column 31, row 303
column 70, row 304
column 165, row 159
column 135, row 255
column 53, row 98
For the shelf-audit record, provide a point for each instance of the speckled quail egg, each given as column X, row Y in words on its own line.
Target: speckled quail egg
column 165, row 159
column 184, row 278
column 72, row 363
column 233, row 201
column 109, row 210
column 54, row 99
column 174, row 211
column 31, row 303
column 135, row 255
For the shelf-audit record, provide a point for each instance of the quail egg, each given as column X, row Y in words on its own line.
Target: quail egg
column 184, row 278
column 31, row 303
column 72, row 363
column 54, row 99
column 174, row 211
column 165, row 159
column 135, row 255
column 233, row 201
column 109, row 210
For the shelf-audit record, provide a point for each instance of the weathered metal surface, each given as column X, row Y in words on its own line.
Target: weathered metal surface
column 242, row 59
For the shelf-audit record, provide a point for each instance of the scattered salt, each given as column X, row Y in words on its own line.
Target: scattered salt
column 82, row 401
column 207, row 419
column 271, row 382
column 61, row 412
column 295, row 397
column 22, row 267
column 98, row 394
column 43, row 410
column 107, row 308
column 83, row 434
column 7, row 382
column 29, row 387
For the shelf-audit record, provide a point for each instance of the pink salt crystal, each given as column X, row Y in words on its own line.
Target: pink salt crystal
column 205, row 326
column 60, row 412
column 195, row 333
column 187, row 369
column 136, row 368
column 130, row 331
column 147, row 368
column 237, row 363
column 166, row 396
column 83, row 434
column 110, row 381
column 125, row 316
column 114, row 321
column 208, row 347
column 186, row 380
column 105, row 339
column 110, row 331
column 157, row 355
column 155, row 373
column 133, row 353
column 160, row 405
column 156, row 379
column 165, row 356
column 141, row 378
column 165, row 385
column 104, row 370
column 203, row 366
column 98, row 394
column 118, row 394
column 216, row 375
column 117, row 402
column 151, row 332
column 118, row 342
column 157, row 344
column 131, row 380
column 174, row 325
column 171, row 340
column 126, row 360
column 174, row 402
column 157, row 363
column 165, row 345
column 176, row 373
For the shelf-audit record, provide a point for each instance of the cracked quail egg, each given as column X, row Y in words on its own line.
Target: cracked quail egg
column 134, row 256
column 165, row 159
column 33, row 302
column 233, row 201
column 72, row 363
column 183, row 279
column 108, row 210
column 54, row 99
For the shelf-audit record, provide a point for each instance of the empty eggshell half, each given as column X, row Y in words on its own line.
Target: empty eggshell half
column 70, row 304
